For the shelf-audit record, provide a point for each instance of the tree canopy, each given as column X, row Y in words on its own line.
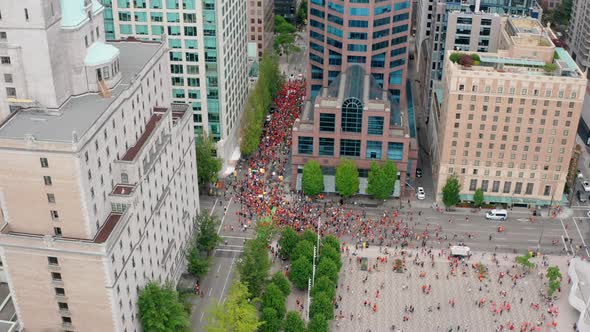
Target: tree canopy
column 197, row 264
column 254, row 266
column 281, row 281
column 318, row 324
column 381, row 179
column 451, row 192
column 312, row 181
column 258, row 103
column 323, row 284
column 302, row 12
column 160, row 309
column 288, row 242
column 328, row 268
column 293, row 322
column 347, row 178
column 273, row 297
column 237, row 314
column 208, row 165
column 207, row 238
column 328, row 252
column 300, row 272
column 321, row 304
column 478, row 197
column 270, row 320
column 303, row 249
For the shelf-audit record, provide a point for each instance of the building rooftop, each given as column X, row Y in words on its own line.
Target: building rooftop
column 107, row 228
column 79, row 113
column 73, row 14
column 354, row 86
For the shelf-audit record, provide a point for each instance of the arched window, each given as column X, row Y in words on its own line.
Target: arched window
column 124, row 178
column 352, row 115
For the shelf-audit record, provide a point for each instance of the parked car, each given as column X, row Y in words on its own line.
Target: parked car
column 418, row 172
column 420, row 193
column 495, row 214
column 580, row 175
column 581, row 196
column 586, row 185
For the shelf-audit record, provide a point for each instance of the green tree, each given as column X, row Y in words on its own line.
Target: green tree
column 258, row 103
column 285, row 42
column 282, row 26
column 524, row 261
column 207, row 238
column 331, row 241
column 321, row 304
column 553, row 273
column 303, row 249
column 302, row 12
column 327, row 252
column 160, row 309
column 288, row 242
column 293, row 322
column 309, row 235
column 382, row 179
column 347, row 178
column 300, row 272
column 208, row 165
column 237, row 314
column 270, row 320
column 478, row 198
column 197, row 264
column 553, row 286
column 273, row 297
column 451, row 192
column 318, row 324
column 324, row 285
column 254, row 266
column 281, row 281
column 312, row 182
column 328, row 268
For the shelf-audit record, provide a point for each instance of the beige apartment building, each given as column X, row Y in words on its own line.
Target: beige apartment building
column 97, row 195
column 261, row 24
column 507, row 123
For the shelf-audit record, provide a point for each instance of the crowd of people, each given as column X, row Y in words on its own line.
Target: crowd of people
column 258, row 187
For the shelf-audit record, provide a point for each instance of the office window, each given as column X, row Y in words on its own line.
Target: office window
column 326, row 146
column 507, row 186
column 8, row 78
column 5, row 60
column 66, row 320
column 358, row 24
column 327, row 122
column 395, row 151
column 56, row 276
column 472, row 185
column 529, row 188
column 547, row 191
column 60, row 291
column 358, row 11
column 375, row 125
column 373, row 150
column 352, row 115
column 336, row 7
column 11, row 92
column 350, row 147
column 54, row 215
column 484, row 185
column 47, row 180
column 62, row 306
column 50, row 198
column 305, row 145
column 518, row 187
column 52, row 260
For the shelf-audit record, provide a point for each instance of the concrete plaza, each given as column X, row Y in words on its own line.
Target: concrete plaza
column 404, row 289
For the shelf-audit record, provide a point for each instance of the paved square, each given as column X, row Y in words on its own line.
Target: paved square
column 398, row 290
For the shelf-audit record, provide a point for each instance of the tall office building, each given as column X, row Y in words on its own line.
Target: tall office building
column 261, row 24
column 435, row 19
column 208, row 57
column 579, row 34
column 354, row 117
column 507, row 123
column 372, row 33
column 97, row 192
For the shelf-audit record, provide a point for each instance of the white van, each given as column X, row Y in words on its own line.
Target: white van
column 497, row 215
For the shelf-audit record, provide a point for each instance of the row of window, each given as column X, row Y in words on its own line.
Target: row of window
column 350, row 148
column 523, row 91
column 506, row 187
column 156, row 17
column 157, row 4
